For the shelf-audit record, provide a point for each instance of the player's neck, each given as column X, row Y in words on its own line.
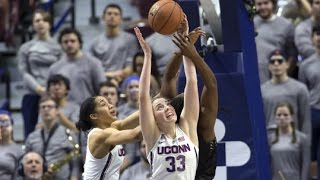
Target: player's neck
column 170, row 131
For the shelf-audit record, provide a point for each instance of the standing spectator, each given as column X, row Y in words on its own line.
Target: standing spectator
column 309, row 74
column 141, row 170
column 273, row 33
column 114, row 48
column 34, row 59
column 10, row 151
column 84, row 71
column 289, row 148
column 52, row 141
column 137, row 68
column 303, row 32
column 283, row 88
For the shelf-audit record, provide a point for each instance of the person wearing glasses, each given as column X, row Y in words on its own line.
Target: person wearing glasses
column 51, row 141
column 281, row 88
column 10, row 151
column 309, row 75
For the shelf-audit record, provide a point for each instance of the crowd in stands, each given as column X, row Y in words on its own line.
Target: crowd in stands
column 59, row 76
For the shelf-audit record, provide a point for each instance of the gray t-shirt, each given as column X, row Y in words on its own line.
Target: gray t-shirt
column 272, row 34
column 138, row 171
column 162, row 49
column 115, row 53
column 292, row 160
column 57, row 148
column 34, row 60
column 132, row 148
column 309, row 75
column 293, row 92
column 85, row 75
column 303, row 39
column 9, row 157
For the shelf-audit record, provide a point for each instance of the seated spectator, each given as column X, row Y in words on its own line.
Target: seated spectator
column 114, row 48
column 309, row 75
column 52, row 141
column 110, row 91
column 289, row 148
column 140, row 170
column 131, row 90
column 281, row 88
column 84, row 72
column 34, row 59
column 58, row 88
column 137, row 68
column 10, row 152
column 32, row 166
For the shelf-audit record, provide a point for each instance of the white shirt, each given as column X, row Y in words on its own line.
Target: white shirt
column 105, row 168
column 174, row 159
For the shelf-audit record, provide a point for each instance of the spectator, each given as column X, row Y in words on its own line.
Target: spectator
column 296, row 10
column 137, row 68
column 303, row 32
column 34, row 59
column 10, row 151
column 141, row 170
column 52, row 141
column 114, row 48
column 273, row 33
column 131, row 90
column 289, row 148
column 84, row 71
column 309, row 74
column 283, row 88
column 110, row 91
column 58, row 88
column 32, row 166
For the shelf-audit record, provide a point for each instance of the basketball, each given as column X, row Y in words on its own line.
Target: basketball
column 165, row 16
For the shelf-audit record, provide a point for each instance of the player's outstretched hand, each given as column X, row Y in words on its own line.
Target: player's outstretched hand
column 183, row 42
column 195, row 34
column 145, row 47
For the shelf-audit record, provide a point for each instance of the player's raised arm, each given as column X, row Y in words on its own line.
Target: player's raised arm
column 149, row 129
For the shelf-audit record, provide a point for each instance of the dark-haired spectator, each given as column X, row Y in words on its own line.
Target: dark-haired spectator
column 289, row 148
column 140, row 170
column 303, row 32
column 51, row 141
column 10, row 151
column 84, row 72
column 309, row 74
column 110, row 91
column 137, row 63
column 114, row 48
column 281, row 88
column 58, row 88
column 34, row 60
column 273, row 33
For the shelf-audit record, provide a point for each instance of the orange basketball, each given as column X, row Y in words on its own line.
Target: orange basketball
column 165, row 16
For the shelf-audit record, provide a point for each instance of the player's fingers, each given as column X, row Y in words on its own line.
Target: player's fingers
column 176, row 42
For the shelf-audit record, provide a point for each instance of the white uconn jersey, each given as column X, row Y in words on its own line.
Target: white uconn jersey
column 174, row 159
column 105, row 168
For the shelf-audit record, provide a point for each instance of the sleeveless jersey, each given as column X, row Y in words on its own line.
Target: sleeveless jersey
column 174, row 159
column 107, row 167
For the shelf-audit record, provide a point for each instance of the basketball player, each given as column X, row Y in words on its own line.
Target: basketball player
column 106, row 134
column 208, row 104
column 172, row 148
